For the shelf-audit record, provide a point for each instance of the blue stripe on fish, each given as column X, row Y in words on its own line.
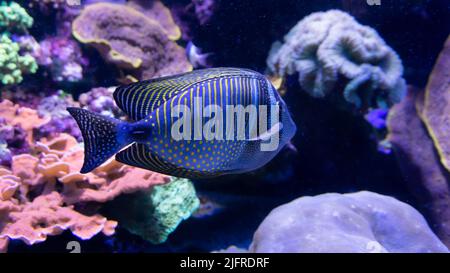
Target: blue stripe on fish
column 149, row 103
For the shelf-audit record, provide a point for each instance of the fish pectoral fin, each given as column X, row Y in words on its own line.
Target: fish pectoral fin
column 269, row 133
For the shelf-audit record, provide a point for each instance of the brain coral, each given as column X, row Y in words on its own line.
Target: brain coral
column 131, row 40
column 357, row 222
column 326, row 47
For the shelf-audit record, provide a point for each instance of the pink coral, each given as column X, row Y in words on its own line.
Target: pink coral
column 51, row 174
column 27, row 118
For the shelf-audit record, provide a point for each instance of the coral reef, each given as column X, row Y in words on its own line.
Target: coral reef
column 54, row 107
column 155, row 214
column 14, row 18
column 360, row 222
column 63, row 57
column 28, row 119
column 416, row 154
column 156, row 10
column 126, row 37
column 12, row 64
column 13, row 141
column 436, row 109
column 43, row 193
column 326, row 47
column 418, row 151
column 204, row 10
column 100, row 100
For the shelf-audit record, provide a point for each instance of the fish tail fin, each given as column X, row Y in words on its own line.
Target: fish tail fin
column 103, row 137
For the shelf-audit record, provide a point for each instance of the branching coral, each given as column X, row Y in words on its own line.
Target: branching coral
column 326, row 47
column 13, row 17
column 63, row 57
column 100, row 100
column 51, row 174
column 54, row 107
column 129, row 39
column 12, row 64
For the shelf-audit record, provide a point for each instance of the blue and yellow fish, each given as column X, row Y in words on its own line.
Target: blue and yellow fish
column 168, row 135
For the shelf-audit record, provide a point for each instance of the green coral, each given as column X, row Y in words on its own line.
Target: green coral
column 155, row 214
column 12, row 64
column 13, row 17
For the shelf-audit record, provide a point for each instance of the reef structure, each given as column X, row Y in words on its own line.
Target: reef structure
column 412, row 125
column 131, row 40
column 330, row 49
column 156, row 213
column 14, row 62
column 362, row 222
column 42, row 193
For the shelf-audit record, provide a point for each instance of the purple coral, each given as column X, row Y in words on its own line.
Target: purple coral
column 12, row 142
column 204, row 9
column 100, row 100
column 63, row 57
column 377, row 118
column 61, row 122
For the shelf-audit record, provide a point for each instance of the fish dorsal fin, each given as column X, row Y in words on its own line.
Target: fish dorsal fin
column 139, row 99
column 140, row 155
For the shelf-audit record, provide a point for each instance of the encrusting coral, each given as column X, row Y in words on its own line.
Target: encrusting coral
column 155, row 214
column 362, row 222
column 156, row 10
column 412, row 125
column 131, row 40
column 43, row 193
column 51, row 174
column 28, row 119
column 327, row 47
column 436, row 111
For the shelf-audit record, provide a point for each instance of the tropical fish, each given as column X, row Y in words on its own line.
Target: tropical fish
column 196, row 125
